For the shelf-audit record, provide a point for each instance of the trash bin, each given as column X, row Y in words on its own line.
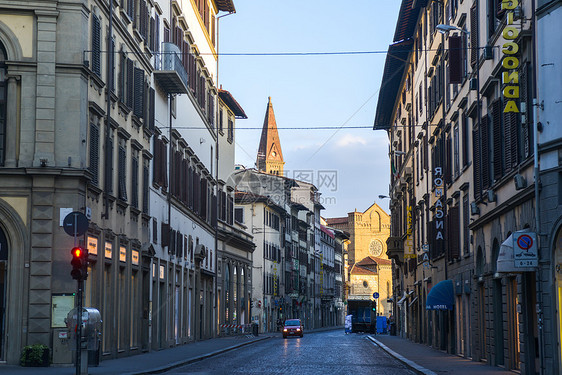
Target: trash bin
column 255, row 329
column 392, row 328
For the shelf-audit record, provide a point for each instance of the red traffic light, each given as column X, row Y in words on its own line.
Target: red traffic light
column 79, row 263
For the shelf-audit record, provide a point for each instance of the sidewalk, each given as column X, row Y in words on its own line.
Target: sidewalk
column 428, row 361
column 157, row 361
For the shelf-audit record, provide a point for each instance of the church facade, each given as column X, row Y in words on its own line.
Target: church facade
column 368, row 232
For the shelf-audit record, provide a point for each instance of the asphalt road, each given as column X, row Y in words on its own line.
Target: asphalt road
column 330, row 352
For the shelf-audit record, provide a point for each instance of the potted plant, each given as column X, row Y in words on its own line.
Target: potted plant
column 36, row 355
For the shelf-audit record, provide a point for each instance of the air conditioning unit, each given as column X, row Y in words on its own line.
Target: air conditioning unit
column 520, row 182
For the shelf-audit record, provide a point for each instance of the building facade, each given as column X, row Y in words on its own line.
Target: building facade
column 100, row 124
column 457, row 103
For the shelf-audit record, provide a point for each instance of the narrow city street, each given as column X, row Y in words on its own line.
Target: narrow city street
column 316, row 353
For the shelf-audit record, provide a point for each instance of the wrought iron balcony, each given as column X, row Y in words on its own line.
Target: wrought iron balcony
column 169, row 72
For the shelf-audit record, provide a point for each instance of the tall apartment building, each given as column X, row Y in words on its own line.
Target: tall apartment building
column 112, row 110
column 457, row 103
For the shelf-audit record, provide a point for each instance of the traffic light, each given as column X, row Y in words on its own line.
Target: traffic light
column 374, row 306
column 79, row 263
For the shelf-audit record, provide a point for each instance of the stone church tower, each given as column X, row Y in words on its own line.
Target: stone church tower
column 270, row 157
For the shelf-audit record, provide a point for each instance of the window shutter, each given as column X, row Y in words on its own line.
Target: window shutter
column 122, row 193
column 96, row 45
column 512, row 124
column 145, row 188
column 109, row 170
column 135, row 182
column 455, row 59
column 122, row 70
column 152, row 38
column 130, row 86
column 485, row 156
column 164, row 165
column 166, row 35
column 151, row 108
column 203, row 207
column 453, row 232
column 448, row 160
column 464, row 135
column 131, row 8
column 157, row 33
column 156, row 161
column 112, row 77
column 477, row 165
column 473, row 36
column 139, row 92
column 94, row 153
column 173, row 238
column 214, row 211
column 165, row 234
column 189, row 187
column 497, row 139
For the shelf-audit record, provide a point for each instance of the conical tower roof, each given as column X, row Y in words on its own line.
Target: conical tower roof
column 270, row 156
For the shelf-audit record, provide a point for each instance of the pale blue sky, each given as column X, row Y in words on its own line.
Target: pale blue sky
column 311, row 91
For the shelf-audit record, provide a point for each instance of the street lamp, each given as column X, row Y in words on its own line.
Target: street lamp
column 444, row 29
column 383, row 196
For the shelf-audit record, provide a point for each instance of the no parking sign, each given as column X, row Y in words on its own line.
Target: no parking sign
column 525, row 251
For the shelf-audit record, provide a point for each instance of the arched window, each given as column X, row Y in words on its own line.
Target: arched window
column 3, row 95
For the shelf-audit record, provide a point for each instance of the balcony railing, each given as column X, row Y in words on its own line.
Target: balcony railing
column 169, row 72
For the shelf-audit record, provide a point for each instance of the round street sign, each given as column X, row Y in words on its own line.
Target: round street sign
column 375, row 295
column 75, row 224
column 525, row 242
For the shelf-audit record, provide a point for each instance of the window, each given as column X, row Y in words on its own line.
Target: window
column 138, row 103
column 464, row 134
column 220, row 121
column 239, row 215
column 230, row 130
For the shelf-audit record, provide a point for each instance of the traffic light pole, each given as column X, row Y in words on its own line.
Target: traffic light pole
column 79, row 328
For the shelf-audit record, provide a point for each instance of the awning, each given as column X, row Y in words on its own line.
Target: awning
column 441, row 296
column 507, row 261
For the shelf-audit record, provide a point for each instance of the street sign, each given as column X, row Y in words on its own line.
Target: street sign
column 375, row 295
column 75, row 224
column 525, row 251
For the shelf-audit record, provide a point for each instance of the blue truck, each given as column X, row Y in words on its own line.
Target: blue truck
column 364, row 316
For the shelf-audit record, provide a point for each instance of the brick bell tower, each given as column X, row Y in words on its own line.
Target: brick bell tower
column 270, row 157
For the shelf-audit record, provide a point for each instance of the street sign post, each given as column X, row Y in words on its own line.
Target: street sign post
column 376, row 295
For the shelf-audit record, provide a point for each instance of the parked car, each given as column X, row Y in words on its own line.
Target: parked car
column 292, row 327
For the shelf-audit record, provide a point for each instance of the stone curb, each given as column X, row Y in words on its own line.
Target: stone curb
column 413, row 365
column 188, row 361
